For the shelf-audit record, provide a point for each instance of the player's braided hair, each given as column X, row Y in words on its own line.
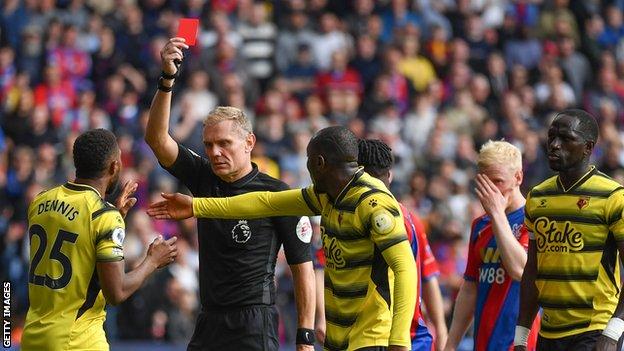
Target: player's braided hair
column 375, row 156
column 92, row 151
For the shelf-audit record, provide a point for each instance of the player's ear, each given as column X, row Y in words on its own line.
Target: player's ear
column 114, row 167
column 250, row 142
column 589, row 147
column 321, row 162
column 519, row 176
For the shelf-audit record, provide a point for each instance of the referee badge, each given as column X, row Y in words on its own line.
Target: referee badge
column 304, row 229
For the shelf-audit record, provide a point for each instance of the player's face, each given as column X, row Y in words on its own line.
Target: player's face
column 567, row 148
column 228, row 150
column 504, row 178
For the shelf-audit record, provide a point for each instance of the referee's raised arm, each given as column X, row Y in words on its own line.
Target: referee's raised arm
column 157, row 131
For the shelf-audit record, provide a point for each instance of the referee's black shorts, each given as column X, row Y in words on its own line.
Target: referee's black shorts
column 249, row 328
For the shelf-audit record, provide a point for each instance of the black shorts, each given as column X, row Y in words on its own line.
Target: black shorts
column 252, row 328
column 579, row 342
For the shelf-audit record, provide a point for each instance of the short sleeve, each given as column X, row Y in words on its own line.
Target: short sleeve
column 109, row 229
column 472, row 266
column 613, row 214
column 186, row 168
column 296, row 234
column 382, row 215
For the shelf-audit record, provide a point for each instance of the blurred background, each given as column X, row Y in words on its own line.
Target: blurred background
column 434, row 79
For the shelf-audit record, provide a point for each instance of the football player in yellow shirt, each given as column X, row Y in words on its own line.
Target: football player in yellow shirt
column 577, row 233
column 76, row 252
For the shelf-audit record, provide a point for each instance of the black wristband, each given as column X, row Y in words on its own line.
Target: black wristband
column 163, row 87
column 177, row 63
column 305, row 336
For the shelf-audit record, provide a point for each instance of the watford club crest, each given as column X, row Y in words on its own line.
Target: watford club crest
column 582, row 202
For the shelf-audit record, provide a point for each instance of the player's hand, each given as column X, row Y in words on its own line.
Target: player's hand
column 605, row 343
column 397, row 348
column 172, row 51
column 162, row 252
column 175, row 206
column 490, row 197
column 301, row 347
column 124, row 202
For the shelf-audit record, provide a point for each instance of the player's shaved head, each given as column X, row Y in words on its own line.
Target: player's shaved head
column 587, row 125
column 337, row 145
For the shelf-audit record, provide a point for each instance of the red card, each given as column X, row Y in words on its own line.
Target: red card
column 188, row 30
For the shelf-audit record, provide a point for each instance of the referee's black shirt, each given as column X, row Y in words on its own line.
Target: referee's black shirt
column 237, row 257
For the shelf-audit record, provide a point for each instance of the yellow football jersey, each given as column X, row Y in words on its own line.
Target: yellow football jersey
column 358, row 229
column 575, row 231
column 71, row 228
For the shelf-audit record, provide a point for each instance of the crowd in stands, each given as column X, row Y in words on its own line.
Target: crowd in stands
column 434, row 79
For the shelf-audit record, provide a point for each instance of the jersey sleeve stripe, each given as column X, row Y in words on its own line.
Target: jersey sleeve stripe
column 394, row 211
column 92, row 292
column 388, row 244
column 104, row 236
column 309, row 202
column 101, row 211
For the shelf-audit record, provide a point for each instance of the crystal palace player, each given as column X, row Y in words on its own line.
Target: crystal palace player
column 497, row 254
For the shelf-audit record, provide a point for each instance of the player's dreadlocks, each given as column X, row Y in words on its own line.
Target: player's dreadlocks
column 375, row 156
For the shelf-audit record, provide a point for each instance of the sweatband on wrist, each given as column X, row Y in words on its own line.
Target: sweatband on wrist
column 614, row 329
column 522, row 336
column 305, row 336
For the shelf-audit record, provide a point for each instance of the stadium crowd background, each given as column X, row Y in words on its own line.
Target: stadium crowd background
column 434, row 79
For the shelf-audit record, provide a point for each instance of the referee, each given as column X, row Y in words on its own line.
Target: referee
column 236, row 257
